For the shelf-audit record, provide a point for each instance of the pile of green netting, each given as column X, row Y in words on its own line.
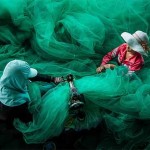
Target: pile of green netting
column 61, row 37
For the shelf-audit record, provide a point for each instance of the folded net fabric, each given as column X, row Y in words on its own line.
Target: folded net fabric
column 59, row 37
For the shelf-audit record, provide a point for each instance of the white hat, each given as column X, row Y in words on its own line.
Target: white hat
column 23, row 66
column 135, row 41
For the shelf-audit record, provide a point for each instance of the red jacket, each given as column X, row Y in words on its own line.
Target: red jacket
column 134, row 63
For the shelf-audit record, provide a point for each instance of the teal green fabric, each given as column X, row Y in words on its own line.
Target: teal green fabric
column 59, row 37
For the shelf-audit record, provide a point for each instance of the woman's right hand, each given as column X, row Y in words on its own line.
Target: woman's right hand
column 57, row 80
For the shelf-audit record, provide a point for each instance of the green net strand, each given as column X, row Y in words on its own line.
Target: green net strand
column 61, row 37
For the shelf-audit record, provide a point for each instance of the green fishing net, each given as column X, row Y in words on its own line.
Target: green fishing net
column 61, row 37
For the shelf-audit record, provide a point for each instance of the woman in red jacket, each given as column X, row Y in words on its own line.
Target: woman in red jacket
column 129, row 54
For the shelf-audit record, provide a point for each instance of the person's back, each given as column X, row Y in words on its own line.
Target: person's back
column 13, row 83
column 14, row 96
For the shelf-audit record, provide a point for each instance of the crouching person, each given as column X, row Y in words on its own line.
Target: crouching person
column 14, row 96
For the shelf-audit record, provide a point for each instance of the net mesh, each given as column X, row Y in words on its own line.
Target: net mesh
column 59, row 37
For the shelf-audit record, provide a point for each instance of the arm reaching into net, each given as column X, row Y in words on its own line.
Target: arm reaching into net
column 109, row 56
column 46, row 78
column 104, row 67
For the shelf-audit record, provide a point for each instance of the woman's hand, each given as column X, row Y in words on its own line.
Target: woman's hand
column 100, row 69
column 104, row 67
column 110, row 66
column 57, row 80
